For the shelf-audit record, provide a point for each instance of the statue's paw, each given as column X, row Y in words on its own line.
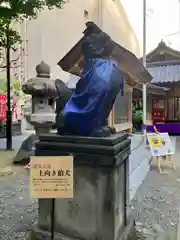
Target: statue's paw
column 102, row 132
column 112, row 129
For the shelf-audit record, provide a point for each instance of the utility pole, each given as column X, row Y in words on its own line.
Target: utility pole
column 8, row 113
column 144, row 64
column 179, row 23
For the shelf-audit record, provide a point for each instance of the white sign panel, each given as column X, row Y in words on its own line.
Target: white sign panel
column 160, row 144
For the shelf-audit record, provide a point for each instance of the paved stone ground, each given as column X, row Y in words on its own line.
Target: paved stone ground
column 157, row 203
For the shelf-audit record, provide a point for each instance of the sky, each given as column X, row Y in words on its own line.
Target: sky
column 163, row 19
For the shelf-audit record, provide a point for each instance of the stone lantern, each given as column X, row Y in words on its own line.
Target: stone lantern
column 43, row 91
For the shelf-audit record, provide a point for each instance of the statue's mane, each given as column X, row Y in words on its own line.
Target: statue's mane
column 97, row 45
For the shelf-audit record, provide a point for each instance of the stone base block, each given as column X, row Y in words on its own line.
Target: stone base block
column 26, row 150
column 99, row 209
column 127, row 233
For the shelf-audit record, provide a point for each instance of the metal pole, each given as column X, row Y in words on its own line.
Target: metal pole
column 8, row 113
column 52, row 218
column 144, row 64
column 179, row 23
column 100, row 14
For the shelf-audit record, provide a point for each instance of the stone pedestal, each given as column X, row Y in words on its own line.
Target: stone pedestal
column 98, row 209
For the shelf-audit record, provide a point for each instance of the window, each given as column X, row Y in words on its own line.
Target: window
column 121, row 108
column 162, row 57
column 86, row 14
column 50, row 102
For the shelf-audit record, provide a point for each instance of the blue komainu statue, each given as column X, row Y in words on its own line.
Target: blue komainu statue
column 85, row 110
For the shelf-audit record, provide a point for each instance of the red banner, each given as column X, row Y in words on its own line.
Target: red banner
column 158, row 111
column 3, row 106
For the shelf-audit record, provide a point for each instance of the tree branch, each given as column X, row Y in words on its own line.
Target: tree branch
column 12, row 61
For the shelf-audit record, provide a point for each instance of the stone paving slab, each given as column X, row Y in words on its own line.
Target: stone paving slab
column 138, row 164
column 16, row 141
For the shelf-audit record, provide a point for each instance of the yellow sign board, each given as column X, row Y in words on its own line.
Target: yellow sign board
column 51, row 177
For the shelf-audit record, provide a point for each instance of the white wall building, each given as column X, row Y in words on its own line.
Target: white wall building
column 53, row 33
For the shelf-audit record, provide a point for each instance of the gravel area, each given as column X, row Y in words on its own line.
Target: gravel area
column 18, row 213
column 157, row 205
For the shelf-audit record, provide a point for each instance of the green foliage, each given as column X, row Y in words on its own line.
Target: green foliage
column 6, row 30
column 17, row 10
column 134, row 130
column 137, row 116
column 2, row 85
column 16, row 85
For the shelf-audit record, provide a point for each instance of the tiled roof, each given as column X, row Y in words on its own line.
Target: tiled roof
column 164, row 73
column 72, row 61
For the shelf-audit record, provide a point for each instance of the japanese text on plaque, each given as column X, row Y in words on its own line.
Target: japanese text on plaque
column 52, row 177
